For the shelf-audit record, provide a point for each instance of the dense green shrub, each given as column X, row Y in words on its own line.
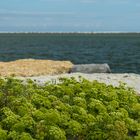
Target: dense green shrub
column 69, row 110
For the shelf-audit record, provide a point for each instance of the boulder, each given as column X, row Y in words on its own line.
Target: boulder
column 91, row 68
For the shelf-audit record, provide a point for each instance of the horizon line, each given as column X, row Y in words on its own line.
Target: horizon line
column 72, row 32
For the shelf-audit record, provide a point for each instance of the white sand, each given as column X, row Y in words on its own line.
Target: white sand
column 132, row 80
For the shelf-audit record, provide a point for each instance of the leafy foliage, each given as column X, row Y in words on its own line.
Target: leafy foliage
column 69, row 110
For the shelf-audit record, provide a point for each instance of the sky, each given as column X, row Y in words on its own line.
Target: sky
column 69, row 15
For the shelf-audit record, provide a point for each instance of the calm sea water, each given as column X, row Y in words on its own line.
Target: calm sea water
column 120, row 51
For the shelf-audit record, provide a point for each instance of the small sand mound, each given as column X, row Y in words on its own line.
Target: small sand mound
column 33, row 67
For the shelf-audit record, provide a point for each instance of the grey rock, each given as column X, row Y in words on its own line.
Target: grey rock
column 91, row 68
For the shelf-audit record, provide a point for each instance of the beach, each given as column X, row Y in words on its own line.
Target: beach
column 132, row 80
column 42, row 71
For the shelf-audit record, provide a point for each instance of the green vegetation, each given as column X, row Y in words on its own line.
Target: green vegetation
column 70, row 110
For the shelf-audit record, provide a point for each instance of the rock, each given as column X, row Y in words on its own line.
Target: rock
column 91, row 68
column 33, row 67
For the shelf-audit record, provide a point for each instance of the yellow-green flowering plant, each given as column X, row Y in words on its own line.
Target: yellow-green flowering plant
column 69, row 110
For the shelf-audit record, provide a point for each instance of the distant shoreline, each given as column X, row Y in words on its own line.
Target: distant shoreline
column 70, row 32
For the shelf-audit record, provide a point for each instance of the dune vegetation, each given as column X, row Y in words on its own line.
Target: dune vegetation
column 68, row 110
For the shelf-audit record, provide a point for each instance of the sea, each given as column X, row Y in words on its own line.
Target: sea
column 120, row 50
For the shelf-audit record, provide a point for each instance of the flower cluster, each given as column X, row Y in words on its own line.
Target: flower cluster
column 69, row 110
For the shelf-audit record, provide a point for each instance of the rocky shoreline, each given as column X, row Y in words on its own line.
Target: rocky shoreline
column 131, row 80
column 43, row 71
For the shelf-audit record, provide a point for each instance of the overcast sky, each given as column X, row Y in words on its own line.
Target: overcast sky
column 69, row 15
